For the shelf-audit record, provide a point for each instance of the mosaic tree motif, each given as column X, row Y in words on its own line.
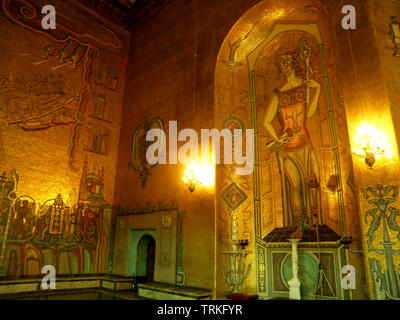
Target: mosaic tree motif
column 382, row 223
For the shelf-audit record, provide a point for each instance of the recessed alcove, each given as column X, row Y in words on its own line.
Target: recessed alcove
column 142, row 254
column 133, row 228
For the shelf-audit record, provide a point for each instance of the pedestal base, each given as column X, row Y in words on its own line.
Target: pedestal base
column 274, row 266
column 294, row 283
column 294, row 291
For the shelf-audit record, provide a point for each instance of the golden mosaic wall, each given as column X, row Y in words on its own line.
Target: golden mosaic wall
column 60, row 102
column 279, row 24
column 160, row 84
column 380, row 222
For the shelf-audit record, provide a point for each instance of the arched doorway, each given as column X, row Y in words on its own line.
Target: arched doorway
column 146, row 253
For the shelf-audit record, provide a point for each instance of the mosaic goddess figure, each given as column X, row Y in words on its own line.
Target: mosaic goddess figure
column 294, row 101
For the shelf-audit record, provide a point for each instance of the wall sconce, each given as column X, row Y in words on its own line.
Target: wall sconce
column 195, row 174
column 370, row 143
column 190, row 177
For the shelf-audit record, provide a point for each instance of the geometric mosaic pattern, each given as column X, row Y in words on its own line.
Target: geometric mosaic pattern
column 233, row 196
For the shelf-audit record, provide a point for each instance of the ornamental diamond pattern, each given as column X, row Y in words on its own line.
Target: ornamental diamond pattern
column 233, row 196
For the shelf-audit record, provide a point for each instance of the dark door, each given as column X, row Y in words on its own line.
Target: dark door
column 151, row 257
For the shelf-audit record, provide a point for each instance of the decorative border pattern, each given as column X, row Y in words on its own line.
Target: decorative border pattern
column 180, row 275
column 261, row 268
column 349, row 181
column 147, row 208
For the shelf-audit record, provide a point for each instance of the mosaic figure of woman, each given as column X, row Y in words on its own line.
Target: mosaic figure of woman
column 294, row 101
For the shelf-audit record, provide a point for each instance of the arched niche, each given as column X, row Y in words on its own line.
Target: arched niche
column 246, row 74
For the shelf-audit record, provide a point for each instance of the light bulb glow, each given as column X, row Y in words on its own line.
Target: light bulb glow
column 199, row 174
column 370, row 141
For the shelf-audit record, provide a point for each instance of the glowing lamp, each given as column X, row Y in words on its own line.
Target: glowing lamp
column 198, row 174
column 370, row 144
column 190, row 177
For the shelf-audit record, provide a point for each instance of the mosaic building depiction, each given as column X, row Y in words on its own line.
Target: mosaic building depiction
column 84, row 106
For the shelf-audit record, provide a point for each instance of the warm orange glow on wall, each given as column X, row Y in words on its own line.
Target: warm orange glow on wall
column 371, row 144
column 206, row 174
column 196, row 173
